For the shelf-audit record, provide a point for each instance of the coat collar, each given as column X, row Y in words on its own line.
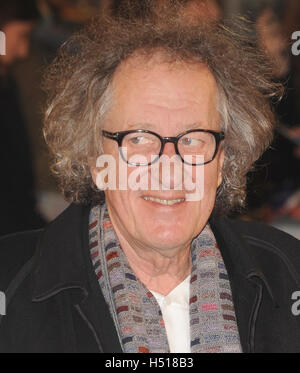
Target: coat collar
column 59, row 261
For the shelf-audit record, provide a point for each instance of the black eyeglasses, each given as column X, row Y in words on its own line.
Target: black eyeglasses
column 143, row 148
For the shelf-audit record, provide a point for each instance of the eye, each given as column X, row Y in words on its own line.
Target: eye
column 190, row 141
column 139, row 140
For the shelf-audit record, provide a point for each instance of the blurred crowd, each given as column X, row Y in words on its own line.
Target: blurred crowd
column 34, row 31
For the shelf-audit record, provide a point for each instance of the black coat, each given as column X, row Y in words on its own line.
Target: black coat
column 55, row 303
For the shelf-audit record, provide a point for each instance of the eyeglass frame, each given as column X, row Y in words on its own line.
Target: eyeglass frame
column 119, row 136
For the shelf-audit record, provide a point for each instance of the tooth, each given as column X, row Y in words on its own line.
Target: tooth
column 164, row 201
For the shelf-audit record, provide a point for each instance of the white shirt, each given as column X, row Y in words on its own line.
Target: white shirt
column 175, row 311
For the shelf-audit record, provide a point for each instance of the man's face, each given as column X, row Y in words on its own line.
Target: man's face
column 169, row 100
column 17, row 35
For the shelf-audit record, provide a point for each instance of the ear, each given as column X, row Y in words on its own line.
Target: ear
column 220, row 165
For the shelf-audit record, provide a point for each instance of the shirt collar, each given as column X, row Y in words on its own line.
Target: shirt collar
column 178, row 296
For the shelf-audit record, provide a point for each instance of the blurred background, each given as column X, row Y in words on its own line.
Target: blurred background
column 34, row 30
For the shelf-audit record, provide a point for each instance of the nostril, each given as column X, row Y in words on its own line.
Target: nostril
column 169, row 148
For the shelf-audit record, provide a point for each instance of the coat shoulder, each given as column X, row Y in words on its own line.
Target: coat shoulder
column 269, row 245
column 15, row 250
column 265, row 233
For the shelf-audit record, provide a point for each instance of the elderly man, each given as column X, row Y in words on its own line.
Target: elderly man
column 145, row 259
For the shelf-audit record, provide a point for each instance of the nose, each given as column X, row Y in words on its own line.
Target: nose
column 170, row 168
column 169, row 149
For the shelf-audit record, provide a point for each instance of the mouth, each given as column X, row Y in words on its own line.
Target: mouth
column 165, row 202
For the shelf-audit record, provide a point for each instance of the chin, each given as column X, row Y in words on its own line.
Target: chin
column 166, row 237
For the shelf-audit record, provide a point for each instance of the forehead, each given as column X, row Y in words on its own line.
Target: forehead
column 157, row 90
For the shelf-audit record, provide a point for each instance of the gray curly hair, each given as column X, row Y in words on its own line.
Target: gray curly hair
column 78, row 83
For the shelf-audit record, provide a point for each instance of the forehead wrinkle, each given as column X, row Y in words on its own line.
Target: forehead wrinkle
column 153, row 127
column 142, row 65
column 134, row 78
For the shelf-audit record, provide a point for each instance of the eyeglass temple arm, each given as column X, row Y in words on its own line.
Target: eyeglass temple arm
column 111, row 135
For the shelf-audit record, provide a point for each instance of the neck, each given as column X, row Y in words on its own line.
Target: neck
column 156, row 270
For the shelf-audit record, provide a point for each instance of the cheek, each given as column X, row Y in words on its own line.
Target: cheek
column 204, row 180
column 119, row 203
column 210, row 187
column 123, row 210
column 210, row 178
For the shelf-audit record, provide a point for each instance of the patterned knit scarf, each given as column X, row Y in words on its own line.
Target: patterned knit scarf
column 134, row 309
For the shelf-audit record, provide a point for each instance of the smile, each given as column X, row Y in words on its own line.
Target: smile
column 164, row 201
